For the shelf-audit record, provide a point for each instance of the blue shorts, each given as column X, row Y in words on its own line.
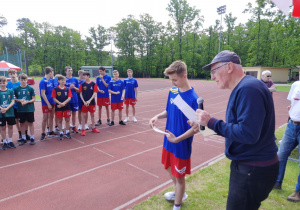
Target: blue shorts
column 74, row 107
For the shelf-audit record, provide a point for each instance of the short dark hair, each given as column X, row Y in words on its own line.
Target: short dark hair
column 68, row 67
column 87, row 73
column 48, row 70
column 102, row 68
column 23, row 76
column 3, row 79
column 60, row 77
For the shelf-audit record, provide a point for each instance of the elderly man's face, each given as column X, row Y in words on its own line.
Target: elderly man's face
column 220, row 75
column 266, row 77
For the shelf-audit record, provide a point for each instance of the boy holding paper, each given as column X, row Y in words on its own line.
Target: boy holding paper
column 177, row 145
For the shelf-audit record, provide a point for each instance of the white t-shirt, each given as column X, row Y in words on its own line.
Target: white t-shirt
column 294, row 97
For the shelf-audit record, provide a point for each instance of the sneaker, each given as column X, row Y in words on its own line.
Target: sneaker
column 111, row 123
column 51, row 134
column 95, row 130
column 11, row 145
column 108, row 121
column 134, row 119
column 86, row 127
column 56, row 129
column 75, row 130
column 122, row 123
column 277, row 187
column 79, row 127
column 98, row 123
column 27, row 137
column 68, row 135
column 83, row 132
column 61, row 136
column 23, row 141
column 5, row 146
column 20, row 139
column 43, row 137
column 32, row 142
column 170, row 196
column 294, row 197
column 126, row 119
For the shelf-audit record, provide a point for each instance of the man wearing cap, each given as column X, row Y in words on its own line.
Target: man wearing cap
column 266, row 78
column 290, row 139
column 248, row 130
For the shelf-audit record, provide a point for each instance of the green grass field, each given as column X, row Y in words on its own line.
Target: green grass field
column 283, row 88
column 208, row 188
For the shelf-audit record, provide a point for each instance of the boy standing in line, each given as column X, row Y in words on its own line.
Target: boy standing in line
column 88, row 91
column 72, row 84
column 116, row 89
column 80, row 81
column 131, row 92
column 62, row 95
column 6, row 113
column 102, row 82
column 25, row 98
column 177, row 147
column 46, row 87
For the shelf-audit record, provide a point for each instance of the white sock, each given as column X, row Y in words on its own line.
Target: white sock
column 4, row 141
column 9, row 140
column 67, row 131
column 176, row 207
column 62, row 132
column 24, row 137
column 32, row 137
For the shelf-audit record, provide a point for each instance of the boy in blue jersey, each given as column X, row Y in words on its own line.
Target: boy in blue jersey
column 46, row 87
column 6, row 113
column 102, row 82
column 80, row 81
column 131, row 92
column 117, row 90
column 72, row 83
column 177, row 147
column 55, row 84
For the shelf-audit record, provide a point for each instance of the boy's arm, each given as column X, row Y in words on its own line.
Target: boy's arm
column 104, row 82
column 136, row 93
column 67, row 101
column 161, row 115
column 123, row 94
column 3, row 110
column 84, row 102
column 33, row 100
column 43, row 91
column 93, row 96
column 57, row 101
column 190, row 132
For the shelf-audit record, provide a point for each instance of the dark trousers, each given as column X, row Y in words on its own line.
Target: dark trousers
column 250, row 185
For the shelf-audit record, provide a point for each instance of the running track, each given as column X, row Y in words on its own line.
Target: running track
column 114, row 169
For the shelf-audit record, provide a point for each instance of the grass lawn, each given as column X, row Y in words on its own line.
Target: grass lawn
column 208, row 188
column 283, row 88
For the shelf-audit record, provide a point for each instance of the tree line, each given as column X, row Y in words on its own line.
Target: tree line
column 268, row 38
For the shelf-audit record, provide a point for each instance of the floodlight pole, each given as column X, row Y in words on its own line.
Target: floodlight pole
column 221, row 10
column 6, row 54
column 111, row 38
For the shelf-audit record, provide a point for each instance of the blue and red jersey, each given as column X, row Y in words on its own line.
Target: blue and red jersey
column 177, row 123
column 87, row 90
column 69, row 82
column 130, row 84
column 46, row 85
column 101, row 86
column 116, row 86
column 61, row 95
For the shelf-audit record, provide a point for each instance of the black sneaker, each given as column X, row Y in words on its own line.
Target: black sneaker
column 23, row 141
column 43, row 137
column 108, row 121
column 122, row 123
column 68, row 135
column 111, row 123
column 27, row 137
column 20, row 139
column 11, row 145
column 32, row 142
column 5, row 146
column 61, row 136
column 51, row 134
column 98, row 123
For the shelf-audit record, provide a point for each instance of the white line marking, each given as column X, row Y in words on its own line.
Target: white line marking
column 77, row 140
column 103, row 152
column 143, row 170
column 139, row 141
column 110, row 132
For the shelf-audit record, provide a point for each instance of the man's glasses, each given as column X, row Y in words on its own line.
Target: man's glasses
column 212, row 72
column 269, row 76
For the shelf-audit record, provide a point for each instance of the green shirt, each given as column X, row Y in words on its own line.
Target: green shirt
column 6, row 97
column 24, row 93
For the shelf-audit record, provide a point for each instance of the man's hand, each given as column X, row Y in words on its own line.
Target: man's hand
column 202, row 117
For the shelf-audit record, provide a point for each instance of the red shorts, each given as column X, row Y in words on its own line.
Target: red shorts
column 89, row 108
column 130, row 101
column 115, row 106
column 103, row 102
column 63, row 114
column 179, row 167
column 45, row 108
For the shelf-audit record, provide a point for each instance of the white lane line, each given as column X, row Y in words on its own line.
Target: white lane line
column 208, row 139
column 75, row 175
column 199, row 142
column 139, row 141
column 110, row 132
column 77, row 140
column 103, row 152
column 143, row 170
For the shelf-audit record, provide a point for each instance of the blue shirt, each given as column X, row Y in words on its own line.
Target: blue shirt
column 10, row 85
column 177, row 123
column 130, row 84
column 46, row 85
column 55, row 82
column 101, row 86
column 69, row 82
column 116, row 86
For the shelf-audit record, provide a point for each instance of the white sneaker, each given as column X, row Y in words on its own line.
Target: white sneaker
column 134, row 119
column 170, row 196
column 86, row 127
column 79, row 127
column 126, row 119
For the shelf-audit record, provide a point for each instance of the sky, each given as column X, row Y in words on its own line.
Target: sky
column 82, row 15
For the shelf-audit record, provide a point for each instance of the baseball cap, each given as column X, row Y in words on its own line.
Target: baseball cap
column 224, row 56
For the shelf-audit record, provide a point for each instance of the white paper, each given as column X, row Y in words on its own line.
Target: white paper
column 284, row 5
column 160, row 131
column 185, row 108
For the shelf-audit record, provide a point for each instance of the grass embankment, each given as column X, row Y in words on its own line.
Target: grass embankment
column 208, row 188
column 283, row 88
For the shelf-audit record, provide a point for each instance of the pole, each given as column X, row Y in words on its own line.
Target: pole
column 25, row 63
column 220, row 35
column 21, row 64
column 112, row 57
column 6, row 54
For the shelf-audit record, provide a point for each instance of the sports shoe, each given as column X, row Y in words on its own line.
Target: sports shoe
column 108, row 121
column 1, row 141
column 23, row 141
column 95, row 130
column 74, row 129
column 126, row 119
column 32, row 142
column 27, row 137
column 83, row 132
column 98, row 123
column 61, row 136
column 11, row 145
column 43, row 137
column 56, row 129
column 86, row 127
column 19, row 139
column 79, row 127
column 277, row 187
column 134, row 119
column 51, row 134
column 122, row 123
column 5, row 146
column 170, row 196
column 47, row 132
column 111, row 123
column 294, row 197
column 68, row 135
